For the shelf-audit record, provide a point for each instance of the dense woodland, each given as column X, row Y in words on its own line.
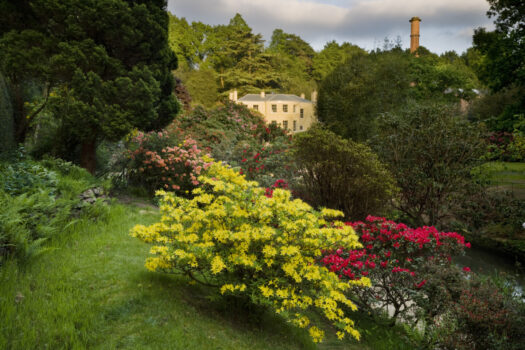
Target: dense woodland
column 415, row 159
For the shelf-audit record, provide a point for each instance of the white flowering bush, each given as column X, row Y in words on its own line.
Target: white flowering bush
column 231, row 236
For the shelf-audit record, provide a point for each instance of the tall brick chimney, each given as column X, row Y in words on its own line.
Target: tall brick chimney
column 414, row 33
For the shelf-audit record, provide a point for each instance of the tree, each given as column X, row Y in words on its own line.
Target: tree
column 431, row 151
column 104, row 67
column 332, row 56
column 237, row 55
column 503, row 53
column 351, row 97
column 293, row 60
column 503, row 48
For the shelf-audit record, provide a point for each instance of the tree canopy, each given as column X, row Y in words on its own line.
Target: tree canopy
column 103, row 67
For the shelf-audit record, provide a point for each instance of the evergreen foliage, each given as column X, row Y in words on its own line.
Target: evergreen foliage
column 103, row 67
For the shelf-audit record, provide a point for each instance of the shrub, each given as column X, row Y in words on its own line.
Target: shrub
column 234, row 238
column 238, row 136
column 341, row 174
column 431, row 150
column 399, row 261
column 157, row 160
column 19, row 174
column 483, row 316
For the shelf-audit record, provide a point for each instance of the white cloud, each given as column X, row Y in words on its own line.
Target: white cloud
column 358, row 21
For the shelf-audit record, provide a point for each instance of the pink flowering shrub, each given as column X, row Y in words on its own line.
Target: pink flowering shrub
column 157, row 160
column 398, row 260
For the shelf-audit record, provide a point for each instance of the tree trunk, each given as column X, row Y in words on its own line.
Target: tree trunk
column 87, row 156
column 21, row 121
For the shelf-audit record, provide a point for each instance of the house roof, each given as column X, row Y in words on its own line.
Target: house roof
column 272, row 97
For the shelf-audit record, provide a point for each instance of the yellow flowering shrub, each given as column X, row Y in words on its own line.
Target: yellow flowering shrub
column 231, row 236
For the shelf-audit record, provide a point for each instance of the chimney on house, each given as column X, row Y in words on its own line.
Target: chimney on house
column 314, row 97
column 263, row 94
column 302, row 96
column 414, row 34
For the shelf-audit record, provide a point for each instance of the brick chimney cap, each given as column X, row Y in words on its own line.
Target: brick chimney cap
column 415, row 19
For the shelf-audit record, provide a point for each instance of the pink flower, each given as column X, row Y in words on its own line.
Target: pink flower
column 466, row 269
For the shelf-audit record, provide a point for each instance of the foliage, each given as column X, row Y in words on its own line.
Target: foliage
column 431, row 152
column 37, row 202
column 164, row 159
column 237, row 135
column 124, row 82
column 368, row 85
column 331, row 56
column 485, row 314
column 504, row 146
column 503, row 49
column 341, row 174
column 500, row 110
column 399, row 261
column 492, row 213
column 202, row 86
column 21, row 175
column 232, row 236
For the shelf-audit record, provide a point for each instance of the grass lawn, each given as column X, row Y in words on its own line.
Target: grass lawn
column 510, row 176
column 92, row 291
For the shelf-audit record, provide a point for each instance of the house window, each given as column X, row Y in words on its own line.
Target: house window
column 285, row 125
column 285, row 108
column 300, row 127
column 294, row 108
column 302, row 113
column 294, row 125
column 274, row 108
column 255, row 107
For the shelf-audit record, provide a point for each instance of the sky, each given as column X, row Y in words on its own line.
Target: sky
column 445, row 24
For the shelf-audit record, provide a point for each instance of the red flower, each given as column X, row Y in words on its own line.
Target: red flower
column 420, row 284
column 466, row 269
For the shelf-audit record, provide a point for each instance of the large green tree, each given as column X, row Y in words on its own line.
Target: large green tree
column 502, row 66
column 503, row 48
column 103, row 67
column 356, row 92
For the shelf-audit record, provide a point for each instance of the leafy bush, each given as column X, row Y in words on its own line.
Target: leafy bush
column 506, row 146
column 397, row 259
column 20, row 174
column 484, row 315
column 431, row 150
column 233, row 237
column 157, row 160
column 341, row 174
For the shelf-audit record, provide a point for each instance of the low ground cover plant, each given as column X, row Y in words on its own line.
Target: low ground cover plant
column 235, row 238
column 37, row 200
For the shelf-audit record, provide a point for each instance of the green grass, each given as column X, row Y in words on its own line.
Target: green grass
column 92, row 291
column 506, row 175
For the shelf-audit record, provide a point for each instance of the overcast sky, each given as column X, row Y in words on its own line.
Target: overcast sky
column 446, row 24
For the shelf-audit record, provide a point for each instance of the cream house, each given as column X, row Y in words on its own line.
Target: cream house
column 291, row 112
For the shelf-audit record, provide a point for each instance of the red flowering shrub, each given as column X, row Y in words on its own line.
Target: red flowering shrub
column 265, row 164
column 157, row 161
column 397, row 259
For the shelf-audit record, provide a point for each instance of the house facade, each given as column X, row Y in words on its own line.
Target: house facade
column 291, row 112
